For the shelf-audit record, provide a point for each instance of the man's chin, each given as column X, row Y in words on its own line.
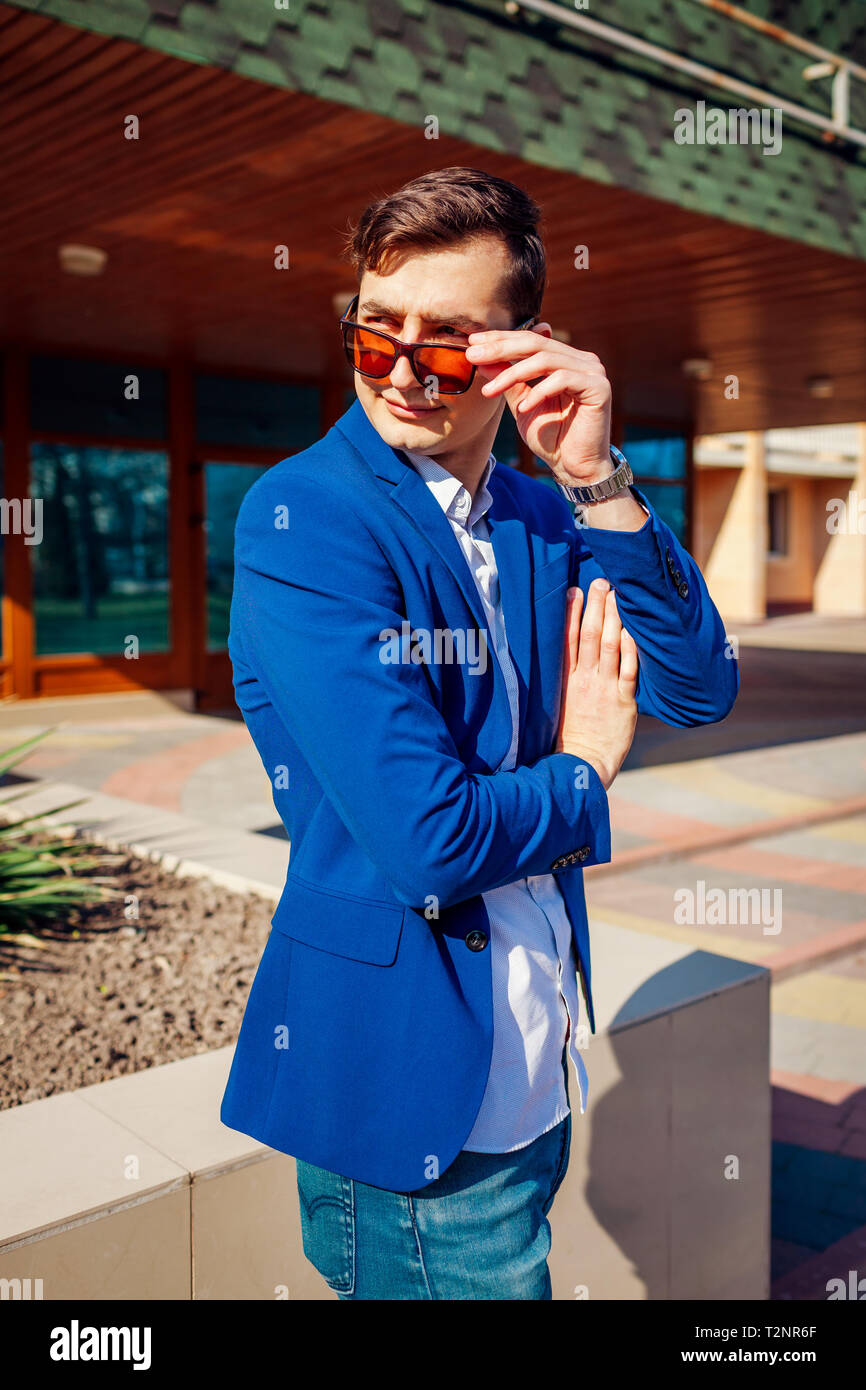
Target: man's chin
column 415, row 434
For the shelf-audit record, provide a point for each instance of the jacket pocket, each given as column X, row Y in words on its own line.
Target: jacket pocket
column 551, row 576
column 327, row 1206
column 357, row 928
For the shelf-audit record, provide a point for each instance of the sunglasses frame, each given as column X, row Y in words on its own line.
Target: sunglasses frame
column 407, row 350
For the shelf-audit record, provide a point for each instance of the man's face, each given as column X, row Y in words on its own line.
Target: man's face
column 434, row 296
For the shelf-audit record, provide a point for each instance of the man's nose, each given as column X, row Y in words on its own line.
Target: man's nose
column 402, row 375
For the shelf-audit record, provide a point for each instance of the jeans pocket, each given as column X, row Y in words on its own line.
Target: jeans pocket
column 327, row 1204
column 562, row 1163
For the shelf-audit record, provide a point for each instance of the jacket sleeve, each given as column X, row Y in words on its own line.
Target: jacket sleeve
column 312, row 605
column 687, row 674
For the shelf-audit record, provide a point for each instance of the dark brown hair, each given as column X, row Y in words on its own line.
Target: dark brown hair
column 445, row 206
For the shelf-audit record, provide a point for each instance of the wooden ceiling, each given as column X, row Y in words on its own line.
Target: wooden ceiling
column 226, row 169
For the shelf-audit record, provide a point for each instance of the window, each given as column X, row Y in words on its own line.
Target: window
column 225, row 486
column 668, row 502
column 100, row 573
column 658, row 460
column 655, row 454
column 258, row 414
column 777, row 521
column 100, row 399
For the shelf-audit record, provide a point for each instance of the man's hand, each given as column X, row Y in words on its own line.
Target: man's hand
column 599, row 678
column 559, row 396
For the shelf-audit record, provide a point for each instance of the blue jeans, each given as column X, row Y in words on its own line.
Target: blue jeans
column 480, row 1231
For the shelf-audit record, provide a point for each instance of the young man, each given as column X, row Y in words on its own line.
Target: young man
column 441, row 731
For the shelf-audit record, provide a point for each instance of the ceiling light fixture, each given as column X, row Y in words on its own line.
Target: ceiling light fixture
column 82, row 260
column 698, row 368
column 820, row 387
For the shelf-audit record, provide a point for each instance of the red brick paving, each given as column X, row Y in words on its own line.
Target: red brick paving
column 790, row 868
column 159, row 779
column 803, row 955
column 655, row 824
column 816, row 1087
column 817, row 1114
column 809, row 1280
column 697, row 836
column 854, row 1147
column 809, row 1134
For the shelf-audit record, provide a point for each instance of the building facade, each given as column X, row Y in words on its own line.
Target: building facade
column 780, row 521
column 179, row 181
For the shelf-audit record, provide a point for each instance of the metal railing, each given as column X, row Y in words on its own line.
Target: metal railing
column 841, row 70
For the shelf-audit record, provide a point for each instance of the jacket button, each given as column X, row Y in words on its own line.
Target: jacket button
column 476, row 940
column 683, row 590
column 559, row 863
column 583, row 853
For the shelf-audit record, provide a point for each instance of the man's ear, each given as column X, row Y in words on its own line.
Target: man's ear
column 543, row 328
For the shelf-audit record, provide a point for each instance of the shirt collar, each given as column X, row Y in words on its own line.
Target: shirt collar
column 449, row 492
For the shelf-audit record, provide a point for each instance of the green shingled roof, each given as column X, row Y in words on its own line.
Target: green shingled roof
column 532, row 87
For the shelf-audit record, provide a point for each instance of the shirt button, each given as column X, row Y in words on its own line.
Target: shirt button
column 683, row 590
column 476, row 940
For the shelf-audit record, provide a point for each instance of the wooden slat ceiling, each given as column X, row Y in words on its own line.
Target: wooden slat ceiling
column 226, row 169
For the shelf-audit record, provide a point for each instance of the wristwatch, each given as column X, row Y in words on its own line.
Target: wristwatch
column 620, row 478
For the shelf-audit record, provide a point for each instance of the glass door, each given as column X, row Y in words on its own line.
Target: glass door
column 225, row 485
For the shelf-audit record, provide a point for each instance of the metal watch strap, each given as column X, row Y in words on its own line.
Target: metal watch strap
column 615, row 482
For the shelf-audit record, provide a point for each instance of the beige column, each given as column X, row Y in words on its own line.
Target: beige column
column 840, row 583
column 736, row 570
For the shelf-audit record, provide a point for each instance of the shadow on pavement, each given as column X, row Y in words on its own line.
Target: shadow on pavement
column 786, row 696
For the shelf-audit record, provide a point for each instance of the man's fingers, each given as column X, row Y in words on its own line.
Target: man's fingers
column 608, row 662
column 627, row 665
column 590, row 630
column 572, row 626
column 573, row 610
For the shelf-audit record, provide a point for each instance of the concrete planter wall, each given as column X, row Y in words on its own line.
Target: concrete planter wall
column 134, row 1189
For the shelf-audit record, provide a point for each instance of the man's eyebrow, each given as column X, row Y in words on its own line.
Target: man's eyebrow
column 376, row 306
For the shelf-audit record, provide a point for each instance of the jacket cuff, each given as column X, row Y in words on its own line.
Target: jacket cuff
column 622, row 554
column 579, row 786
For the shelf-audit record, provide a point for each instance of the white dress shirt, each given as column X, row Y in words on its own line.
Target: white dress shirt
column 533, row 964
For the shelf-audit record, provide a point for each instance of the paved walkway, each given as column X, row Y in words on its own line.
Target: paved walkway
column 747, row 846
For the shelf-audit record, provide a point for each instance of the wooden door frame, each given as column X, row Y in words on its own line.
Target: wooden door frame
column 24, row 674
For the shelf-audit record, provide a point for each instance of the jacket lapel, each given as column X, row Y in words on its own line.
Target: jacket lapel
column 412, row 494
column 511, row 548
column 507, row 534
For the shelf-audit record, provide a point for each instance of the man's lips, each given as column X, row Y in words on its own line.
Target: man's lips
column 409, row 412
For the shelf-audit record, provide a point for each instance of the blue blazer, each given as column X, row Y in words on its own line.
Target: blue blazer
column 366, row 1042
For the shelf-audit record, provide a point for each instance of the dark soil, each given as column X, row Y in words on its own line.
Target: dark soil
column 127, row 993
